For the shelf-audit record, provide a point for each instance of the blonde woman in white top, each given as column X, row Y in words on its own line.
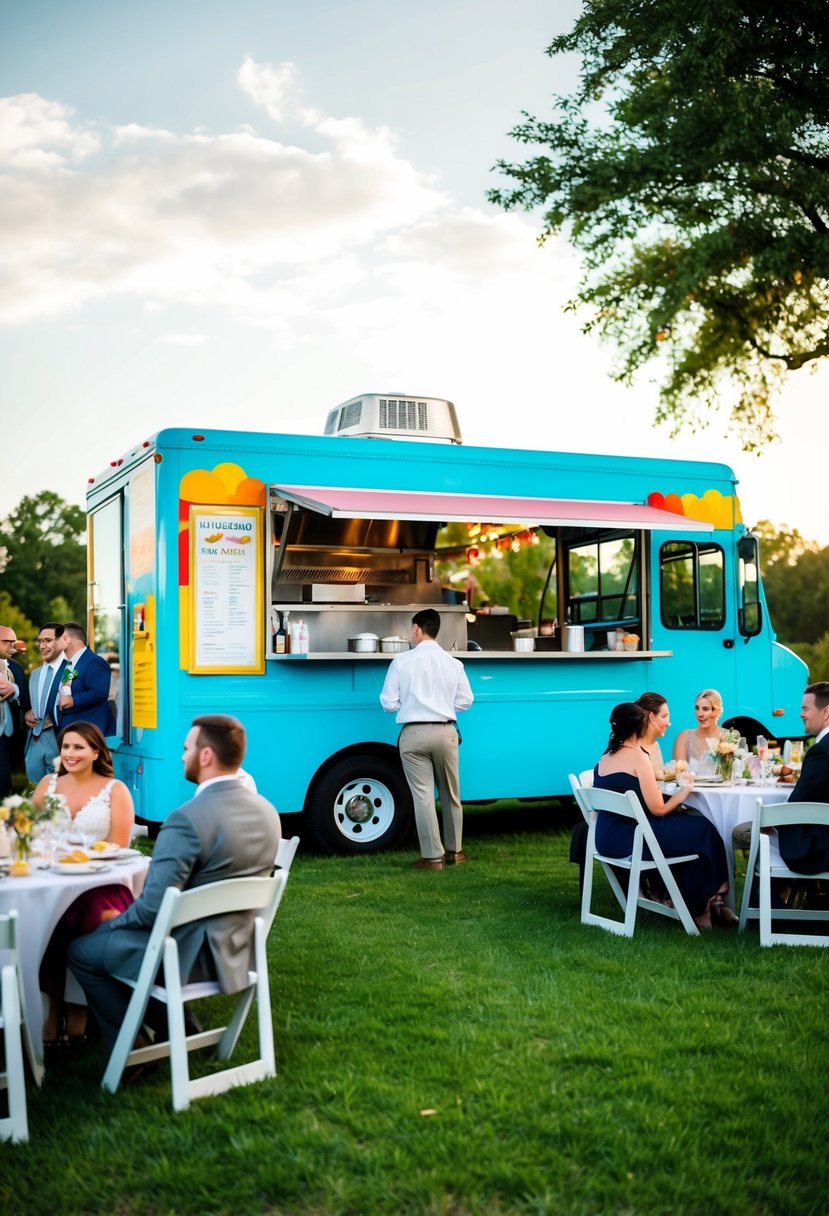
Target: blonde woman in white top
column 693, row 744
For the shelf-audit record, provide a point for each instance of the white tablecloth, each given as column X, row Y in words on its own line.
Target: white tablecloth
column 727, row 805
column 41, row 899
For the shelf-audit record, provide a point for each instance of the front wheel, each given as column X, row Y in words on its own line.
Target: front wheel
column 361, row 805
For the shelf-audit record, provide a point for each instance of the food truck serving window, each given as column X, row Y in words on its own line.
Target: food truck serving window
column 692, row 585
column 603, row 581
column 106, row 632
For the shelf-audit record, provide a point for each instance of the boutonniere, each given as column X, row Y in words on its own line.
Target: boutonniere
column 68, row 675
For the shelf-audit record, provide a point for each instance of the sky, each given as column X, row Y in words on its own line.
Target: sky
column 240, row 215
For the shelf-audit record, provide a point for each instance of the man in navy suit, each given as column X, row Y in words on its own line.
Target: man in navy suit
column 88, row 697
column 41, row 742
column 14, row 703
column 805, row 847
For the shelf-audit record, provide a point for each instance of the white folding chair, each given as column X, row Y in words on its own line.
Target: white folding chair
column 760, row 867
column 286, row 852
column 15, row 1125
column 591, row 801
column 578, row 842
column 261, row 895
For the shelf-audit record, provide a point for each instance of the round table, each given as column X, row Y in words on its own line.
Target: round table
column 727, row 805
column 41, row 899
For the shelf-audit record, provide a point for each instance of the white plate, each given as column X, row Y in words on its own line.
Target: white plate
column 81, row 867
column 708, row 781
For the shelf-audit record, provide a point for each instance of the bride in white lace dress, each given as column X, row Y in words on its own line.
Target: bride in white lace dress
column 693, row 745
column 102, row 809
column 99, row 805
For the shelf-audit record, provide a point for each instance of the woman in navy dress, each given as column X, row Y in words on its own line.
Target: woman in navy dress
column 626, row 765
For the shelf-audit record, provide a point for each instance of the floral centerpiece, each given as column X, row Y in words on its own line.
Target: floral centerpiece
column 723, row 752
column 19, row 813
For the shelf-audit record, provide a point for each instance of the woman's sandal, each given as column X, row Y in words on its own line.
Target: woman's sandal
column 72, row 1040
column 721, row 914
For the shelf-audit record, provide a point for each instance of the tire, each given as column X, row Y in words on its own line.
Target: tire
column 361, row 805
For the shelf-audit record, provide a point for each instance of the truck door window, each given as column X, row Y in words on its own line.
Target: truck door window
column 603, row 581
column 107, row 600
column 692, row 585
column 750, row 613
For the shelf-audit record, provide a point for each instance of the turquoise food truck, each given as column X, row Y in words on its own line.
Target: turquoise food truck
column 200, row 544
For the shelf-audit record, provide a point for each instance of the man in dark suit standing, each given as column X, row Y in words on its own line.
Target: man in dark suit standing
column 14, row 704
column 805, row 847
column 225, row 831
column 87, row 699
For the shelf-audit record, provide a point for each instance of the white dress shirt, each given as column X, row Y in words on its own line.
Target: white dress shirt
column 426, row 684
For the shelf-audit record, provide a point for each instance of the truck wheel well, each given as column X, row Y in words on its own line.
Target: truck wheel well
column 383, row 751
column 749, row 728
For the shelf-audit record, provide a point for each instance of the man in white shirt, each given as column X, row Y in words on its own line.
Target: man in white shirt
column 41, row 742
column 427, row 688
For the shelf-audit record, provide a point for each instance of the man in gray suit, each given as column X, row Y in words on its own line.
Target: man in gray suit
column 42, row 741
column 225, row 831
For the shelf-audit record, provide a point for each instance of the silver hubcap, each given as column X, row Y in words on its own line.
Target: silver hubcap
column 364, row 809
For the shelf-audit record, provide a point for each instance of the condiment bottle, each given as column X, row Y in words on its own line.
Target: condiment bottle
column 280, row 639
column 287, row 630
column 303, row 637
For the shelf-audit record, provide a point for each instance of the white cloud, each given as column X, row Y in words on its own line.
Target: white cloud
column 217, row 219
column 37, row 134
column 183, row 339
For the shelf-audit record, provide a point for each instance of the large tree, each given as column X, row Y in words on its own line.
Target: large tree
column 691, row 168
column 45, row 573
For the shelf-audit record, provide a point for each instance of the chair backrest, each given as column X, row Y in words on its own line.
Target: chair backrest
column 286, row 852
column 595, row 799
column 8, row 931
column 217, row 898
column 782, row 814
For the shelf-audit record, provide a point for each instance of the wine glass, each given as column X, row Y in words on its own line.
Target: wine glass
column 762, row 756
column 45, row 841
column 796, row 757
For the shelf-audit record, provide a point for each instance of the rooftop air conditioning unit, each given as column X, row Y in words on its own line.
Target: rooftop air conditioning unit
column 395, row 416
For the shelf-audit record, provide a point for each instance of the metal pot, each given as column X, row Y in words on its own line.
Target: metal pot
column 573, row 638
column 393, row 645
column 364, row 643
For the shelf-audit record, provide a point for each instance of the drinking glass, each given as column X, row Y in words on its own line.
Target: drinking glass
column 45, row 843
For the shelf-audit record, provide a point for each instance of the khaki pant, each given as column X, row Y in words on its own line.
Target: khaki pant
column 429, row 754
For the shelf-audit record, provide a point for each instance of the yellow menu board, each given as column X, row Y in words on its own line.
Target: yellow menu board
column 227, row 603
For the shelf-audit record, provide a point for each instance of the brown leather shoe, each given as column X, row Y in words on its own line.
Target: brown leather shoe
column 428, row 863
column 455, row 859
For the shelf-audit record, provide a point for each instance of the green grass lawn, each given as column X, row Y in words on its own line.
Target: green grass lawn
column 458, row 1043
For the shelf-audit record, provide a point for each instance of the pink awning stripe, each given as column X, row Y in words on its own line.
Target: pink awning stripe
column 344, row 503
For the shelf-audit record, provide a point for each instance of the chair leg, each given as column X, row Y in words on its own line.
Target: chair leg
column 766, row 936
column 124, row 1043
column 16, row 1126
column 179, row 1063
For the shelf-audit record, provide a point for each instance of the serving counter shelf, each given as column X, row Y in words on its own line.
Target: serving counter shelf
column 475, row 656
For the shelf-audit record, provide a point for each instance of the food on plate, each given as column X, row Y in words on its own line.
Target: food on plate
column 76, row 857
column 790, row 779
column 101, row 846
column 19, row 869
column 681, row 765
